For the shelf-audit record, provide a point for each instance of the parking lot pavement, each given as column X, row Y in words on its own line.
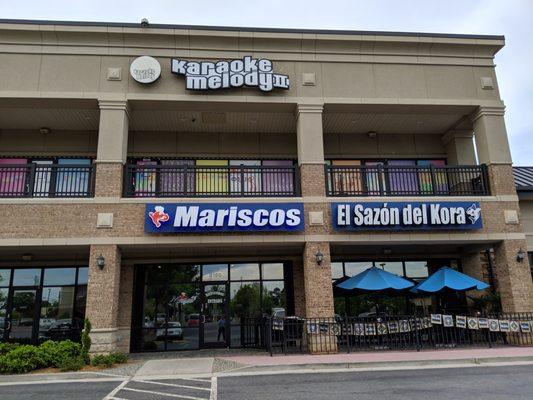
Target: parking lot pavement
column 156, row 389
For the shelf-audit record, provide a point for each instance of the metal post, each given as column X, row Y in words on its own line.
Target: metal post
column 433, row 180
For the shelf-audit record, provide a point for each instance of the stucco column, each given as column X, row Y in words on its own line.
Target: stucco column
column 514, row 278
column 310, row 149
column 103, row 298
column 112, row 147
column 459, row 146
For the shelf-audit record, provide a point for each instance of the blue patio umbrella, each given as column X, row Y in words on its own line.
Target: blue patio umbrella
column 447, row 279
column 375, row 280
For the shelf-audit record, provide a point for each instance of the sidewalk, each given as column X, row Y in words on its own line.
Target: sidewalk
column 502, row 354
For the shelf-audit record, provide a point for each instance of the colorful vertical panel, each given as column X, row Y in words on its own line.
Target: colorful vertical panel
column 440, row 178
column 375, row 180
column 145, row 178
column 348, row 180
column 43, row 178
column 177, row 180
column 73, row 180
column 245, row 180
column 403, row 178
column 277, row 180
column 211, row 180
column 13, row 179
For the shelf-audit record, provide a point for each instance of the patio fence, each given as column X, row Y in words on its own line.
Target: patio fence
column 398, row 332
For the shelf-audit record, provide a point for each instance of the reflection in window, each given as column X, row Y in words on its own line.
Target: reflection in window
column 215, row 272
column 273, row 296
column 394, row 267
column 83, row 275
column 336, row 270
column 245, row 302
column 27, row 277
column 416, row 269
column 56, row 313
column 59, row 276
column 5, row 275
column 354, row 268
column 272, row 270
column 244, row 272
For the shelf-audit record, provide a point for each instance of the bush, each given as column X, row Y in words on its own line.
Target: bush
column 119, row 358
column 102, row 360
column 7, row 347
column 108, row 360
column 22, row 359
column 72, row 364
column 56, row 353
column 86, row 341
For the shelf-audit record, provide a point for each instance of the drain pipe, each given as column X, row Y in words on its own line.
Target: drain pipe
column 490, row 268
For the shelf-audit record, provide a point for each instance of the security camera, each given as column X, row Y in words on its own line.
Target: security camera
column 144, row 23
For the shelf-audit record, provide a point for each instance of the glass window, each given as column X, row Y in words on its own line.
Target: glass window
column 245, row 302
column 56, row 313
column 244, row 272
column 79, row 307
column 59, row 276
column 416, row 269
column 5, row 275
column 272, row 270
column 83, row 275
column 27, row 277
column 215, row 272
column 394, row 267
column 336, row 270
column 354, row 268
column 273, row 296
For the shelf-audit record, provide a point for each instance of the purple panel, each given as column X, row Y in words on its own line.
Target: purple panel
column 172, row 181
column 403, row 178
column 13, row 179
column 277, row 180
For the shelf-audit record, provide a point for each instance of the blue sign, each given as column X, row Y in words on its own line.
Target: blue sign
column 223, row 217
column 406, row 215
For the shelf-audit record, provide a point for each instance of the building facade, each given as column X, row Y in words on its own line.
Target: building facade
column 168, row 182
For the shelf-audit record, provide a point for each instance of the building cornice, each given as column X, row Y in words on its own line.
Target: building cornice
column 487, row 111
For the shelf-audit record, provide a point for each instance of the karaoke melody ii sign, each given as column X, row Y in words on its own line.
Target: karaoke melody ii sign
column 248, row 72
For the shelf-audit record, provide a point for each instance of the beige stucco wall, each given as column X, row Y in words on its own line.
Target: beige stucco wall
column 526, row 213
column 55, row 143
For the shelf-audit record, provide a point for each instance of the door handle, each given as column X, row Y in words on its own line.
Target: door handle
column 203, row 319
column 8, row 326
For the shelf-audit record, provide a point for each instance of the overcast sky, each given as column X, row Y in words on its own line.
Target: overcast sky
column 512, row 18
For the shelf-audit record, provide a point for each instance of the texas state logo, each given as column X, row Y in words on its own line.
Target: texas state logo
column 158, row 216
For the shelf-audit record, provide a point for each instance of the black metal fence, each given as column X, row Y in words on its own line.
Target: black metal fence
column 386, row 180
column 47, row 180
column 401, row 332
column 208, row 181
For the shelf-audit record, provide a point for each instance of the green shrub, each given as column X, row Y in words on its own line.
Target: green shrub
column 102, row 360
column 119, row 358
column 72, row 364
column 7, row 347
column 22, row 359
column 86, row 341
column 56, row 353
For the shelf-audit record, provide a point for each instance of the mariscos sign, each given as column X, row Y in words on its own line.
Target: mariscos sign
column 223, row 217
column 250, row 72
column 406, row 216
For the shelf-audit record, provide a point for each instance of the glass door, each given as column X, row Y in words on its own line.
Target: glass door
column 21, row 315
column 213, row 321
column 4, row 324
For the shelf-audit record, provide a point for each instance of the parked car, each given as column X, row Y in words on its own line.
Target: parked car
column 170, row 330
column 194, row 320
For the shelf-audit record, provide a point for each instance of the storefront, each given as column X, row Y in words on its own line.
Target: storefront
column 172, row 184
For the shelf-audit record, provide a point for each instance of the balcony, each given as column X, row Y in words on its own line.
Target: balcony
column 210, row 181
column 382, row 180
column 46, row 180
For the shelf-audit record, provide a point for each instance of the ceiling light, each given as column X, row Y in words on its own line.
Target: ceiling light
column 372, row 134
column 44, row 130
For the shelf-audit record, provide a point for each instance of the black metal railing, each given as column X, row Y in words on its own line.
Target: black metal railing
column 46, row 180
column 210, row 181
column 387, row 180
column 398, row 332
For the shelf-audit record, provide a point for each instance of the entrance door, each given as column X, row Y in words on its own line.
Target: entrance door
column 20, row 315
column 214, row 316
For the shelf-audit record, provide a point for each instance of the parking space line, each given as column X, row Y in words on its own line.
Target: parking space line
column 172, row 384
column 214, row 384
column 179, row 396
column 111, row 395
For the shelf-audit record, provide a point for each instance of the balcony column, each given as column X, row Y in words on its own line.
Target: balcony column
column 103, row 292
column 514, row 278
column 459, row 146
column 310, row 149
column 112, row 147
